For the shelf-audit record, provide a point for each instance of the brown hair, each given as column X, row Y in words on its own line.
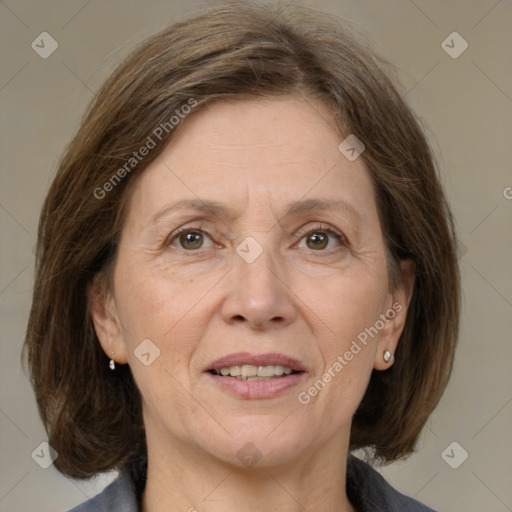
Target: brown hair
column 92, row 415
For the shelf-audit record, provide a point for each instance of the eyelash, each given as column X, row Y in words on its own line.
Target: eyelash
column 302, row 233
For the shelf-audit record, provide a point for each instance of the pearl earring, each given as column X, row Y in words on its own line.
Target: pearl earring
column 388, row 356
column 112, row 364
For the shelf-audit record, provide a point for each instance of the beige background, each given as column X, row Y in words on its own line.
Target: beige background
column 466, row 102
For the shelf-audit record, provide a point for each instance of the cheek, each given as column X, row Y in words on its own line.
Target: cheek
column 171, row 313
column 347, row 309
column 165, row 312
column 156, row 305
column 347, row 303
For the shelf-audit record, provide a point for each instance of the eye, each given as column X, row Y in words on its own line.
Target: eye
column 318, row 238
column 189, row 238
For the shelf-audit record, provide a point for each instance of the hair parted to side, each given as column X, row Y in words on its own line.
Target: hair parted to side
column 93, row 416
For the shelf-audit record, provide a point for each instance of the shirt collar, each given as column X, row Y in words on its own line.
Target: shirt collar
column 366, row 489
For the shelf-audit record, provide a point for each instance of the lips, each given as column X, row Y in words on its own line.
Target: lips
column 256, row 376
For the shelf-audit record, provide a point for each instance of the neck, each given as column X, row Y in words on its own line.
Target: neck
column 184, row 478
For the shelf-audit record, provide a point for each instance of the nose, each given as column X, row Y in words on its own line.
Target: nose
column 258, row 294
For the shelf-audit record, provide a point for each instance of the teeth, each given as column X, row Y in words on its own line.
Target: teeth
column 252, row 372
column 249, row 370
column 234, row 371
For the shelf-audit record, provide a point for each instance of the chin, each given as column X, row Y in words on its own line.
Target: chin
column 258, row 443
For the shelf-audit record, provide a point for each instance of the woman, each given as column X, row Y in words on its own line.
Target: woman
column 246, row 270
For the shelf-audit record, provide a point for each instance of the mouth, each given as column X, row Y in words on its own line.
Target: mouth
column 256, row 376
column 253, row 372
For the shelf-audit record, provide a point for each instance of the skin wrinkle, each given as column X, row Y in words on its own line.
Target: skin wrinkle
column 199, row 307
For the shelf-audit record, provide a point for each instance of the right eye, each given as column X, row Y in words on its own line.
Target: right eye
column 189, row 238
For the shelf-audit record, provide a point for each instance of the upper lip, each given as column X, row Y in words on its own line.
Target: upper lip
column 267, row 359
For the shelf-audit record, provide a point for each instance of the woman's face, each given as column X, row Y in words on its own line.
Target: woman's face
column 280, row 264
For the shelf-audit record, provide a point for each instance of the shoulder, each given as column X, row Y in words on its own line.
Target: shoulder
column 116, row 497
column 369, row 491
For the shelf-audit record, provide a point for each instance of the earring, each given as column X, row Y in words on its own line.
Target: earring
column 112, row 364
column 388, row 356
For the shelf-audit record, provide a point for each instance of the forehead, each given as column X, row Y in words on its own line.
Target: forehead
column 255, row 153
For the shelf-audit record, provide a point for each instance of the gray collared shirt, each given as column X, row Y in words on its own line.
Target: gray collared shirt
column 366, row 489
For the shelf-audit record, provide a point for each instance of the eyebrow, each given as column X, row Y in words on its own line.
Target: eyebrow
column 224, row 211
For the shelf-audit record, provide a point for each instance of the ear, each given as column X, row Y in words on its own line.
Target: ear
column 105, row 319
column 395, row 315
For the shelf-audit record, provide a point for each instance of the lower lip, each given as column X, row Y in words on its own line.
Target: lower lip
column 257, row 389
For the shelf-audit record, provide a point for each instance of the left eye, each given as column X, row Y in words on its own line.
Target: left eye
column 317, row 238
